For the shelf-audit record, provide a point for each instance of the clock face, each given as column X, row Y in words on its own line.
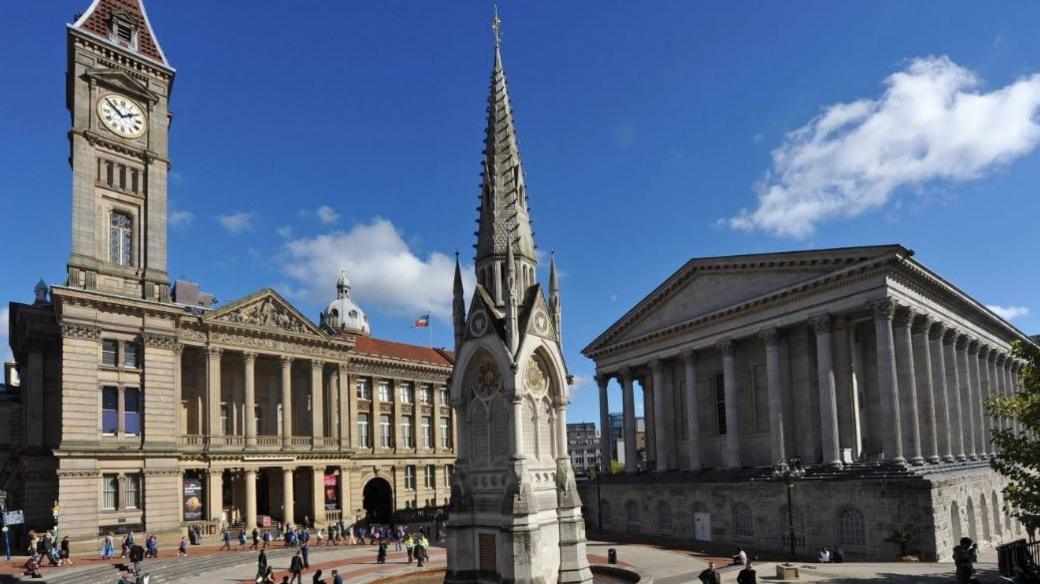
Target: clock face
column 124, row 117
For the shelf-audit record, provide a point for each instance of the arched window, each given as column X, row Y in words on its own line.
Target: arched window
column 955, row 521
column 743, row 523
column 973, row 531
column 632, row 514
column 664, row 516
column 121, row 238
column 984, row 515
column 851, row 531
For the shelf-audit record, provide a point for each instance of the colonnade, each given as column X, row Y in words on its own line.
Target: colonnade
column 929, row 378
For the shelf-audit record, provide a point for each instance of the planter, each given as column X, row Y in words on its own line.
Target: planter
column 786, row 572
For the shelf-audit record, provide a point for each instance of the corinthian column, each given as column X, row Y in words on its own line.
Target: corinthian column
column 887, row 382
column 985, row 390
column 925, row 389
column 828, row 400
column 317, row 400
column 660, row 433
column 213, row 392
column 771, row 338
column 943, row 400
column 965, row 354
column 604, row 423
column 249, row 379
column 731, row 455
column 953, row 393
column 629, row 401
column 287, row 426
column 904, row 350
column 693, row 411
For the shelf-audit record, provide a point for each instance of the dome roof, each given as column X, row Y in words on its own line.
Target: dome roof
column 343, row 315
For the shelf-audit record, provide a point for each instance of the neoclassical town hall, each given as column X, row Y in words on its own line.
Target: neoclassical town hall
column 861, row 362
column 142, row 407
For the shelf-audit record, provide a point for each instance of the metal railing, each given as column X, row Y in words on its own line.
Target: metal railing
column 1018, row 561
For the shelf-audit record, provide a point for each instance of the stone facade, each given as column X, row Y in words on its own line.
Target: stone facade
column 859, row 362
column 136, row 412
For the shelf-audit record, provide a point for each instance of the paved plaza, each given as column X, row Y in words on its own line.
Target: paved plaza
column 207, row 565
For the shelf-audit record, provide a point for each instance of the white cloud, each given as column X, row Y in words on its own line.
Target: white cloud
column 385, row 274
column 327, row 215
column 580, row 382
column 239, row 222
column 1009, row 312
column 5, row 349
column 931, row 124
column 181, row 218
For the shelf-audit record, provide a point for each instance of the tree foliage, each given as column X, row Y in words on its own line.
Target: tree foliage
column 1017, row 436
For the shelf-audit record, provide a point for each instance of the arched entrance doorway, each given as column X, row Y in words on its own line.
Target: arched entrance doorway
column 378, row 501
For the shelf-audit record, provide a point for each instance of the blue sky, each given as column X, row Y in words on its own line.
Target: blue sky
column 309, row 134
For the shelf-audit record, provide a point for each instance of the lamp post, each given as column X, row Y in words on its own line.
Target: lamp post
column 789, row 471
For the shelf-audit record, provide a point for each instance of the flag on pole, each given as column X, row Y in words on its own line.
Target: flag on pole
column 422, row 322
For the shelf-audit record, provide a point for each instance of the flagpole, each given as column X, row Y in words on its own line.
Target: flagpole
column 429, row 325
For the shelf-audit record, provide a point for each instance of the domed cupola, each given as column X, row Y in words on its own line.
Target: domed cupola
column 342, row 315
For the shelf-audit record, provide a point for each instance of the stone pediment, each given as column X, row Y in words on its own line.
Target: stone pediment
column 483, row 317
column 265, row 310
column 121, row 81
column 706, row 285
column 534, row 316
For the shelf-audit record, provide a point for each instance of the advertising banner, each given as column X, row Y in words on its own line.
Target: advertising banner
column 192, row 499
column 331, row 492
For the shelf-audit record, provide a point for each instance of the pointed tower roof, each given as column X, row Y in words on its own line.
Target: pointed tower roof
column 97, row 22
column 503, row 202
column 554, row 283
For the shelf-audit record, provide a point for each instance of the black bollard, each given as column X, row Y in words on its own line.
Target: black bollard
column 612, row 556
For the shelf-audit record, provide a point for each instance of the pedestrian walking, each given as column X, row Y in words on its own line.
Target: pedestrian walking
column 965, row 556
column 136, row 557
column 108, row 549
column 227, row 540
column 305, row 552
column 336, row 578
column 420, row 553
column 66, row 554
column 409, row 547
column 261, row 564
column 241, row 538
column 710, row 575
column 747, row 575
column 267, row 537
column 296, row 568
column 381, row 553
column 182, row 548
column 256, row 539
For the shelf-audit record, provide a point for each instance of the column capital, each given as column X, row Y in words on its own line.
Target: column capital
column 973, row 345
column 625, row 374
column 883, row 309
column 317, row 362
column 771, row 336
column 688, row 356
column 937, row 330
column 949, row 336
column 286, row 360
column 656, row 366
column 922, row 323
column 903, row 316
column 1000, row 357
column 961, row 340
column 726, row 346
column 602, row 380
column 984, row 351
column 214, row 351
column 249, row 356
column 821, row 323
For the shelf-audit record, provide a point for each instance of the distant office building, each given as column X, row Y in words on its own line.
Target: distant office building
column 583, row 444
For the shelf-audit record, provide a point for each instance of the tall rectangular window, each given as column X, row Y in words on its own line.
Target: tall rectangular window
column 109, row 409
column 109, row 492
column 225, row 427
column 110, row 352
column 363, row 390
column 406, row 393
column 384, row 392
column 427, row 438
column 132, row 410
column 121, row 238
column 445, row 433
column 424, row 395
column 449, row 472
column 130, row 353
column 409, row 477
column 406, row 431
column 720, row 403
column 362, row 430
column 442, row 396
column 133, row 491
column 431, row 476
column 385, row 431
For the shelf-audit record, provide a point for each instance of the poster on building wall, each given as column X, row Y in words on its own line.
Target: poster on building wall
column 331, row 492
column 192, row 499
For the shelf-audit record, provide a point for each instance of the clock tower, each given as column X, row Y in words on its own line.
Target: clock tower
column 118, row 91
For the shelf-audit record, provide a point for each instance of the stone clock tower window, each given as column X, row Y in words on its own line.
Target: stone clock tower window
column 123, row 32
column 121, row 239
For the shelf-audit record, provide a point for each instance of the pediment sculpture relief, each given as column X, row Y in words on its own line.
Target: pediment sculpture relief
column 266, row 314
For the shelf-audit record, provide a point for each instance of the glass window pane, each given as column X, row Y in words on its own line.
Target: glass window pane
column 130, row 355
column 109, row 352
column 132, row 411
column 109, row 410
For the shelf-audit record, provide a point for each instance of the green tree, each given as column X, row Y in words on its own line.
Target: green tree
column 617, row 467
column 902, row 538
column 1018, row 456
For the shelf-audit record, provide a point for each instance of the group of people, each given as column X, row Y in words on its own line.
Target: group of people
column 46, row 548
column 826, row 555
column 747, row 575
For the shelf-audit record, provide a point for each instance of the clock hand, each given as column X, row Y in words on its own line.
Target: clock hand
column 115, row 108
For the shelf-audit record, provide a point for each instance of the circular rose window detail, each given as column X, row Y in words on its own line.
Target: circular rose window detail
column 485, row 379
column 536, row 380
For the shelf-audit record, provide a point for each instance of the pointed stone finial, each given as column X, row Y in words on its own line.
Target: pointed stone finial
column 496, row 27
column 343, row 284
column 40, row 292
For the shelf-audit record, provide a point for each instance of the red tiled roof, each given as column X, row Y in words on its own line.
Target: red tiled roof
column 381, row 348
column 97, row 21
